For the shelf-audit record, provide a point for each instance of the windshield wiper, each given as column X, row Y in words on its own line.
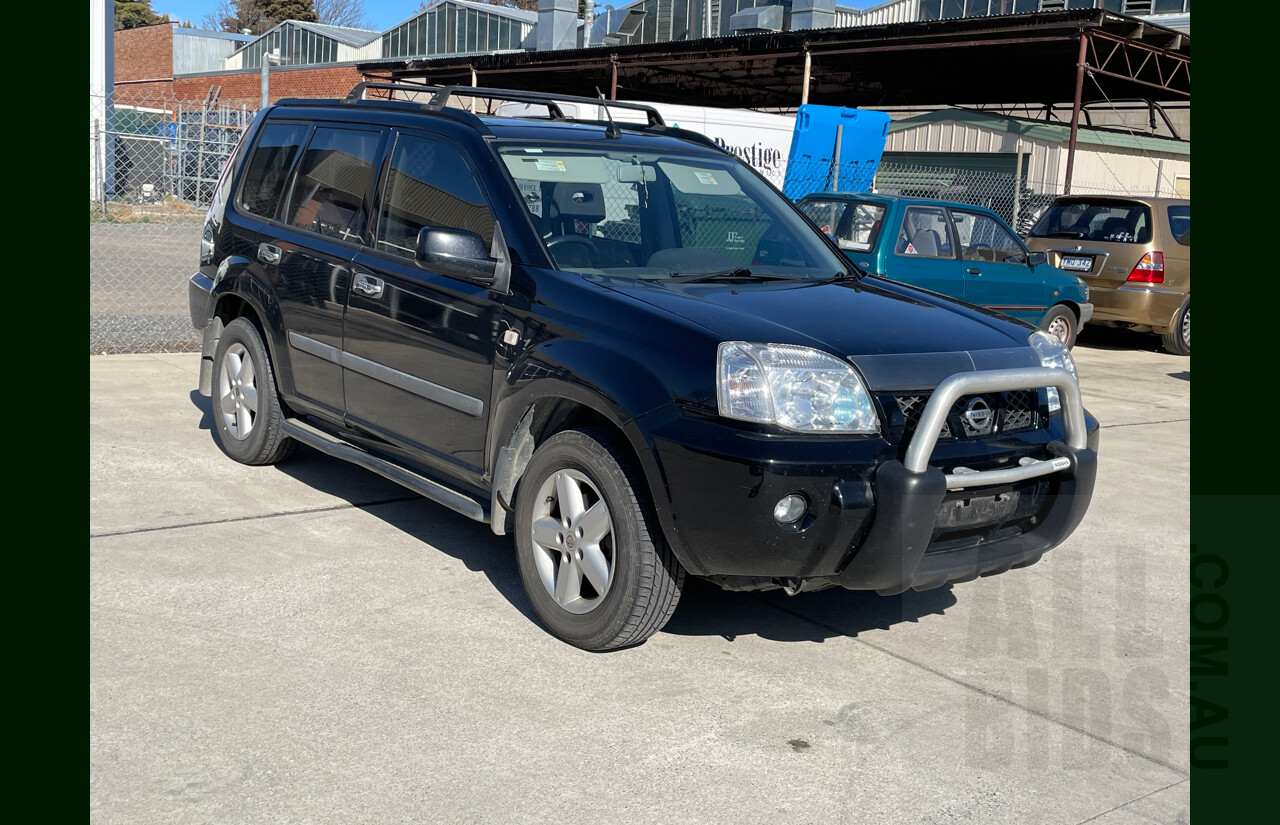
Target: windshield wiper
column 739, row 272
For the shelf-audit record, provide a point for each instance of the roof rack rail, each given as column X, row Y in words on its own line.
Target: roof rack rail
column 441, row 94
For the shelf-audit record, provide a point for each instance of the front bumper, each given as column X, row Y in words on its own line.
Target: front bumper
column 1130, row 304
column 880, row 518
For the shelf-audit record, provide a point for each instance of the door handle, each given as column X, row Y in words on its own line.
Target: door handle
column 974, row 271
column 367, row 285
column 268, row 254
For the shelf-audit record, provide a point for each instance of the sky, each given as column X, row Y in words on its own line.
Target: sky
column 379, row 14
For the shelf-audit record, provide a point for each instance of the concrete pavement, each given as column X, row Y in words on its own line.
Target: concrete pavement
column 311, row 643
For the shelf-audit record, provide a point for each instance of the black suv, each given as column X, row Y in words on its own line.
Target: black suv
column 619, row 343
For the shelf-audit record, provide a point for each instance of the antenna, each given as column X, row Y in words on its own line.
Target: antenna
column 612, row 131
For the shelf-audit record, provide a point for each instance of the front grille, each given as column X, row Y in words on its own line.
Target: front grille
column 990, row 414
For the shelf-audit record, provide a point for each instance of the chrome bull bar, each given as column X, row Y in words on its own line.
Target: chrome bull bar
column 966, row 383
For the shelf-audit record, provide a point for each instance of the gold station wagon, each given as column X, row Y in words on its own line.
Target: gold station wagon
column 1135, row 255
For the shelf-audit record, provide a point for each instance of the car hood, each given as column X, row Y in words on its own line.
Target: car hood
column 897, row 335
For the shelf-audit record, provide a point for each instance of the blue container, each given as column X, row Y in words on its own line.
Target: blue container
column 812, row 165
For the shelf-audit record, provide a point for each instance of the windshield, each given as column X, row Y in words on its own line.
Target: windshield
column 651, row 215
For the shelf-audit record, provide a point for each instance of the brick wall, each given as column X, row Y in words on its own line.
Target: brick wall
column 144, row 53
column 246, row 87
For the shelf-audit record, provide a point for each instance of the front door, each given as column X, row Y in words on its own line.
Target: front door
column 418, row 366
column 996, row 272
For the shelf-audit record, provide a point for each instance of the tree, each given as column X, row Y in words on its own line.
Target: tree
column 348, row 13
column 258, row 16
column 133, row 13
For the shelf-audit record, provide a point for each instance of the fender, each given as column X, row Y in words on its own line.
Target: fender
column 617, row 388
column 236, row 280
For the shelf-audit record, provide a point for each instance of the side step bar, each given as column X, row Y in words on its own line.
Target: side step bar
column 425, row 487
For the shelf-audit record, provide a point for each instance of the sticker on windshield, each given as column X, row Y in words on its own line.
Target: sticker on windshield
column 706, row 178
column 550, row 165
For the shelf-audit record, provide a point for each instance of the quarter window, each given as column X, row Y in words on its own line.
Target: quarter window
column 269, row 166
column 429, row 184
column 1180, row 224
column 331, row 191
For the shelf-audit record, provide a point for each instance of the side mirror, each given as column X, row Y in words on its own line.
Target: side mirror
column 456, row 253
column 1037, row 258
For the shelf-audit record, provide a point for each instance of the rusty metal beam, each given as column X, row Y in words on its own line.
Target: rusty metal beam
column 1075, row 110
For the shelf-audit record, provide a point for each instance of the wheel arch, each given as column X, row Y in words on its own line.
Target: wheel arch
column 236, row 295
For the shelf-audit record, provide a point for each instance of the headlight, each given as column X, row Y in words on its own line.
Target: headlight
column 797, row 388
column 1052, row 353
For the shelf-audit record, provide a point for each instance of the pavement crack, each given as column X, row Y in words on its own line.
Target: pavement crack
column 1131, row 801
column 1144, row 423
column 981, row 690
column 286, row 514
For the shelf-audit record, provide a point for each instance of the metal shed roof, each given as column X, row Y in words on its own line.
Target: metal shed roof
column 967, row 61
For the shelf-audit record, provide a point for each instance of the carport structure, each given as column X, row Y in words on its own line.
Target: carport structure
column 1032, row 62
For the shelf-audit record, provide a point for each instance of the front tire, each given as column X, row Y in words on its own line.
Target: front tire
column 247, row 412
column 1178, row 340
column 1061, row 323
column 591, row 555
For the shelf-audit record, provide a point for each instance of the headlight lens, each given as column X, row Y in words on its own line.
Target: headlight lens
column 797, row 388
column 1052, row 353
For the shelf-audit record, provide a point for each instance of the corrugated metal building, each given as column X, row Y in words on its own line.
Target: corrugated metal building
column 1106, row 161
column 305, row 44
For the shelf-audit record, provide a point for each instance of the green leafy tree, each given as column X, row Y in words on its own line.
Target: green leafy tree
column 133, row 13
column 257, row 16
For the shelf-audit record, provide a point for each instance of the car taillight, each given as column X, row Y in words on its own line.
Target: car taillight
column 1149, row 270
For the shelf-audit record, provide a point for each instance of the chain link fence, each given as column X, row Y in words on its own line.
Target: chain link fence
column 154, row 164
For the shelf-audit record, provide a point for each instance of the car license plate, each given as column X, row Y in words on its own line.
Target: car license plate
column 977, row 510
column 1076, row 263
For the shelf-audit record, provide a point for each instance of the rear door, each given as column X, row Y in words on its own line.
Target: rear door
column 321, row 224
column 419, row 344
column 921, row 251
column 996, row 272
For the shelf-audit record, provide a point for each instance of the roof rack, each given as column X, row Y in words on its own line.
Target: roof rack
column 441, row 94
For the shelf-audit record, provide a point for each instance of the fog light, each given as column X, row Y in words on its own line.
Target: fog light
column 790, row 508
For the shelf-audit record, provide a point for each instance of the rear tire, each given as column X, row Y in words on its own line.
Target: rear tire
column 1178, row 339
column 247, row 411
column 591, row 555
column 1061, row 323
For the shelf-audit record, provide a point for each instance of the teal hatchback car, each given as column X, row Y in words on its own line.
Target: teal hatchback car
column 966, row 252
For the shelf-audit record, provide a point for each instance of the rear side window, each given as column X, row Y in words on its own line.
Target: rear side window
column 1105, row 221
column 925, row 233
column 268, row 169
column 429, row 184
column 335, row 176
column 1180, row 224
